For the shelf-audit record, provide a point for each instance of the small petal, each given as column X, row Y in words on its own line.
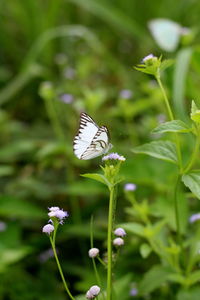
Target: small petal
column 118, row 242
column 120, row 232
column 93, row 252
column 48, row 228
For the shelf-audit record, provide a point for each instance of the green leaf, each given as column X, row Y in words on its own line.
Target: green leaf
column 189, row 294
column 154, row 279
column 192, row 181
column 194, row 277
column 166, row 64
column 164, row 150
column 195, row 113
column 145, row 250
column 172, row 126
column 98, row 177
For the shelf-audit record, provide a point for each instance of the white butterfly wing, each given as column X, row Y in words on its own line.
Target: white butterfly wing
column 99, row 145
column 166, row 33
column 86, row 133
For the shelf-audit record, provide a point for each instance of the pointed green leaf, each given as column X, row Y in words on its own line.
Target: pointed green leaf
column 98, row 177
column 172, row 126
column 164, row 150
column 192, row 181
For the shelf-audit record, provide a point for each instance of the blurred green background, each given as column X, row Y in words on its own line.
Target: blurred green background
column 58, row 58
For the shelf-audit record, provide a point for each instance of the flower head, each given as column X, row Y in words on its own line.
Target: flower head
column 126, row 94
column 120, row 232
column 133, row 292
column 118, row 242
column 146, row 58
column 56, row 212
column 93, row 292
column 130, row 187
column 114, row 156
column 48, row 228
column 194, row 218
column 93, row 252
column 67, row 98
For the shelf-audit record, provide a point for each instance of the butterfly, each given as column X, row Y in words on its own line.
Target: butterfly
column 166, row 33
column 91, row 140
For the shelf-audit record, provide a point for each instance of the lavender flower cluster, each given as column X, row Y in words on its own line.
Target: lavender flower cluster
column 55, row 213
column 114, row 156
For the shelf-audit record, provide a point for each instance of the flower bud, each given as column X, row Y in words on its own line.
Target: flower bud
column 93, row 252
column 118, row 242
column 120, row 232
column 93, row 292
column 48, row 228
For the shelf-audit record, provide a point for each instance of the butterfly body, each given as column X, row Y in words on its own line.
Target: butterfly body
column 91, row 140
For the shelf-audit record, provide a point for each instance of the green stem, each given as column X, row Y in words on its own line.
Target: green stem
column 109, row 244
column 171, row 116
column 177, row 214
column 194, row 154
column 60, row 269
column 92, row 246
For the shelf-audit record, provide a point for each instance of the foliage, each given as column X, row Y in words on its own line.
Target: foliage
column 86, row 50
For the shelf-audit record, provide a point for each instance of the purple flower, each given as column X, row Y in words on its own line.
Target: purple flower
column 150, row 56
column 126, row 94
column 114, row 156
column 120, row 232
column 118, row 242
column 3, row 226
column 194, row 218
column 48, row 229
column 93, row 252
column 133, row 292
column 58, row 213
column 130, row 187
column 67, row 98
column 93, row 292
